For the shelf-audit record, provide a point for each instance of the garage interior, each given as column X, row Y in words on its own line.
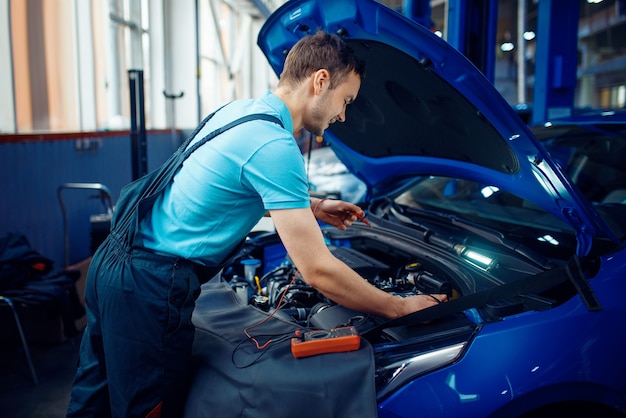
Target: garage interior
column 72, row 71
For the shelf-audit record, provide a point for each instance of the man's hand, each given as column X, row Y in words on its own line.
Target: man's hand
column 419, row 302
column 337, row 213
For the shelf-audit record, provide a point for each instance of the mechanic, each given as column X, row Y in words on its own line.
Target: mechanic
column 135, row 356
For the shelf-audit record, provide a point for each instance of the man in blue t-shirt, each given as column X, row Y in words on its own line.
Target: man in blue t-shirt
column 136, row 350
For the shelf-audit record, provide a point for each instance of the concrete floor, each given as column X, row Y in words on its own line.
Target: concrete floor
column 54, row 365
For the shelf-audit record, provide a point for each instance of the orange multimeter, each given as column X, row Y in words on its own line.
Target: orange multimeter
column 335, row 340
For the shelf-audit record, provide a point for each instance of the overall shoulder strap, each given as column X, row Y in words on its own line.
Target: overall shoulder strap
column 137, row 197
column 254, row 116
column 201, row 125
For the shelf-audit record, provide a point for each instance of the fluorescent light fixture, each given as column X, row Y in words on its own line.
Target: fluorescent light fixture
column 478, row 259
column 474, row 257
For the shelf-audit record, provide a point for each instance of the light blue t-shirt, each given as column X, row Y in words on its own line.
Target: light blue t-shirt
column 226, row 186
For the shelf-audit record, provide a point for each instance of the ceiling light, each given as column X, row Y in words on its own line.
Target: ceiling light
column 507, row 46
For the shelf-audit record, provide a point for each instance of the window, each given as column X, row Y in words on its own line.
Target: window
column 70, row 63
column 65, row 63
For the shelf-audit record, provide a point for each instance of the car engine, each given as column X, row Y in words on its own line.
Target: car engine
column 280, row 287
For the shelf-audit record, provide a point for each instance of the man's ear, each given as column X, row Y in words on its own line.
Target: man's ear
column 321, row 80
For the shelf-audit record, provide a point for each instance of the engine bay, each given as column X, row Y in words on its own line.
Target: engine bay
column 283, row 287
column 276, row 285
column 396, row 263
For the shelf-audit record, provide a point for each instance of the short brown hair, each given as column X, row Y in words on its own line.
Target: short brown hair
column 321, row 50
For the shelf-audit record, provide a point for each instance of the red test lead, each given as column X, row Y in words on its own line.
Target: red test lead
column 362, row 219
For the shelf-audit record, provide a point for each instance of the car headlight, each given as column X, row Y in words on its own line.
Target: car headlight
column 394, row 372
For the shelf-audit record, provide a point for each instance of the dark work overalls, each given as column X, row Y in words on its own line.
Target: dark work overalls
column 135, row 355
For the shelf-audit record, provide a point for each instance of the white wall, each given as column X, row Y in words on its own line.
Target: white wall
column 231, row 65
column 160, row 116
column 7, row 115
column 180, row 59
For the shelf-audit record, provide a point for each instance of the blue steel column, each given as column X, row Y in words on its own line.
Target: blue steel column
column 555, row 59
column 472, row 28
column 420, row 11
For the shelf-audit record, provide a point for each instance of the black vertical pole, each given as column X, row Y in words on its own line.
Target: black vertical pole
column 138, row 145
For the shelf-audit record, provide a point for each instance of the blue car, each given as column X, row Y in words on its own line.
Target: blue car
column 462, row 198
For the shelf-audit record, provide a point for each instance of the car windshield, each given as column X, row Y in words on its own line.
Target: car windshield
column 479, row 203
column 487, row 211
column 592, row 155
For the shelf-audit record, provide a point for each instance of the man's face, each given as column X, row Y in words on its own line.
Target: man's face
column 330, row 105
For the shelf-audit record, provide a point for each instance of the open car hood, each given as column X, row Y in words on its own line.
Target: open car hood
column 425, row 109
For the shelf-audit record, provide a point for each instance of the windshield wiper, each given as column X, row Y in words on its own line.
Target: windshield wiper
column 402, row 214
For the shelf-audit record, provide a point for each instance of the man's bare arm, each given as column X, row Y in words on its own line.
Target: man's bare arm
column 305, row 244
